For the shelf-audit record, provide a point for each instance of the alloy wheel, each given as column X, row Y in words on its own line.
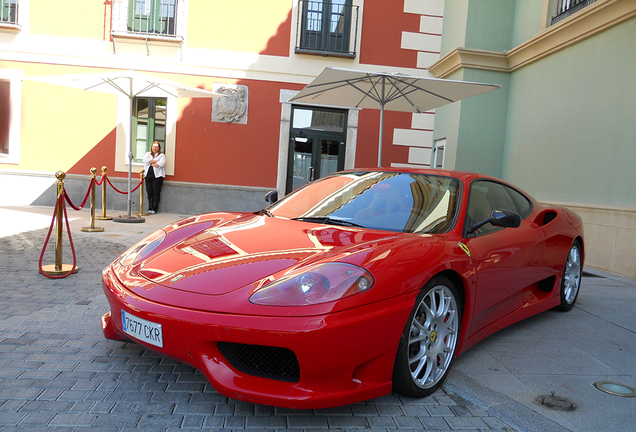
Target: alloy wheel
column 433, row 336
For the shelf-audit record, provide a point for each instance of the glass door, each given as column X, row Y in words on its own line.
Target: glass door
column 317, row 145
column 149, row 124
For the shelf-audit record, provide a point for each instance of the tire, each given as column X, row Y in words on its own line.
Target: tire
column 571, row 278
column 429, row 340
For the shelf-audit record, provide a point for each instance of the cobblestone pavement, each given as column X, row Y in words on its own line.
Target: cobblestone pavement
column 58, row 373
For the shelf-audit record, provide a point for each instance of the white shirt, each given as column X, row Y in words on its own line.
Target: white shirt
column 161, row 161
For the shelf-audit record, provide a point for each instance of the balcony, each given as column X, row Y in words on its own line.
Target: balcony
column 565, row 8
column 327, row 28
column 152, row 17
column 9, row 14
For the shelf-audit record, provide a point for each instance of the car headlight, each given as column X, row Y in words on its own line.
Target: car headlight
column 321, row 284
column 142, row 249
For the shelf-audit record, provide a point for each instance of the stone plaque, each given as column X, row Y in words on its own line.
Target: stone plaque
column 233, row 107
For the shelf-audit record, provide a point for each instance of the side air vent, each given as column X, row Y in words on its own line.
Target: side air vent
column 546, row 285
column 545, row 217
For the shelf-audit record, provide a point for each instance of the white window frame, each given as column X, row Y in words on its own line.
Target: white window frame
column 124, row 121
column 439, row 146
column 120, row 23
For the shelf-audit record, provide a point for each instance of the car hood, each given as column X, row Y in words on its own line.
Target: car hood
column 251, row 249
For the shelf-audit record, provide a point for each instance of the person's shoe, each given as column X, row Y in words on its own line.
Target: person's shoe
column 151, row 212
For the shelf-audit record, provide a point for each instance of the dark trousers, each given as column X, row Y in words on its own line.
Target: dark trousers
column 153, row 187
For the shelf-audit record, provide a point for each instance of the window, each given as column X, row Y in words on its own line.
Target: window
column 9, row 11
column 565, row 8
column 152, row 16
column 149, row 124
column 5, row 116
column 10, row 117
column 326, row 27
column 438, row 154
column 486, row 196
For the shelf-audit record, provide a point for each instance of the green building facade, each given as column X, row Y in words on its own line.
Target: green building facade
column 563, row 125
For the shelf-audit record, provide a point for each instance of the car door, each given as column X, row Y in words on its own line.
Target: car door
column 506, row 258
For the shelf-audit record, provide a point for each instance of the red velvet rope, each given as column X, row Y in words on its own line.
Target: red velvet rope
column 99, row 183
column 68, row 200
column 117, row 190
column 58, row 202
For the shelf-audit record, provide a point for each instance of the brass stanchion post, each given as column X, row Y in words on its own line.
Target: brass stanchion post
column 104, row 181
column 92, row 228
column 58, row 268
column 141, row 195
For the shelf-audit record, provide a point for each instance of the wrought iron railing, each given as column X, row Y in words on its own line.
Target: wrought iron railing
column 9, row 11
column 157, row 17
column 327, row 27
column 565, row 8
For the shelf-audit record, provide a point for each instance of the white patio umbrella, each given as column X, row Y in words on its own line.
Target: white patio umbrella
column 131, row 84
column 394, row 92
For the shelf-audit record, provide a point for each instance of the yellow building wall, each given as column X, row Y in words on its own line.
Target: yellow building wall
column 74, row 119
column 232, row 25
column 85, row 19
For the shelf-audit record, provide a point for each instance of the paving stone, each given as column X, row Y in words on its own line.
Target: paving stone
column 407, row 422
column 266, row 422
column 381, row 422
column 73, row 420
column 347, row 422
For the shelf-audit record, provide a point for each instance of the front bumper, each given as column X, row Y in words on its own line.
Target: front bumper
column 343, row 357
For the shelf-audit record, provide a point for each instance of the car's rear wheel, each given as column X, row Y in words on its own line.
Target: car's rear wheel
column 571, row 278
column 429, row 340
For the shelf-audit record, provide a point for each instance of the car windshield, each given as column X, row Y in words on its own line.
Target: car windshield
column 392, row 201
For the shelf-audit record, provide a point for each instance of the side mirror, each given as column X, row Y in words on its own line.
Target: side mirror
column 500, row 218
column 505, row 218
column 271, row 197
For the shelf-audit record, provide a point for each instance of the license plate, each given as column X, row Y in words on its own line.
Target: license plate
column 144, row 330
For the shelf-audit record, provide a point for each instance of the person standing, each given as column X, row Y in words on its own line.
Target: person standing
column 154, row 163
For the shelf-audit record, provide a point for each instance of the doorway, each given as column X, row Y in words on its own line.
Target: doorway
column 317, row 145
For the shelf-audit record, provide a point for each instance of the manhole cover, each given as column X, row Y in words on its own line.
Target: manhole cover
column 556, row 402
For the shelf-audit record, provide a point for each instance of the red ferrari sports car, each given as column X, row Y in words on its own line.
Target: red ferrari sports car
column 361, row 283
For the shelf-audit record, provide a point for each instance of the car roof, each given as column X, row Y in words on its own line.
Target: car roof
column 461, row 175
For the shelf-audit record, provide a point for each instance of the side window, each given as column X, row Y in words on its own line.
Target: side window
column 524, row 206
column 484, row 197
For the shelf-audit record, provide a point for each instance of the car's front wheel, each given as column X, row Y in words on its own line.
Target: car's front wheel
column 429, row 340
column 571, row 278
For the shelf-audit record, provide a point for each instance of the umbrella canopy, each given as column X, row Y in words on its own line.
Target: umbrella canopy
column 394, row 92
column 131, row 84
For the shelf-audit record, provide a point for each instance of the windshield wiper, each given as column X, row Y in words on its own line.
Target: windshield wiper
column 328, row 220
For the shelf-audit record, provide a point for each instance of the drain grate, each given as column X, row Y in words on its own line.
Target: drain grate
column 555, row 402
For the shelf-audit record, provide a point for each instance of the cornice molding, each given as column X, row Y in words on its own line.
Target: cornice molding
column 590, row 21
column 461, row 58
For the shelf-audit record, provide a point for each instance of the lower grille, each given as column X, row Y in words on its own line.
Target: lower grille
column 262, row 361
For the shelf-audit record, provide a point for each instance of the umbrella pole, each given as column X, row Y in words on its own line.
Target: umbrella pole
column 381, row 131
column 129, row 218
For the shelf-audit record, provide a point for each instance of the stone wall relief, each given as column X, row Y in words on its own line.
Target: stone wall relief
column 233, row 107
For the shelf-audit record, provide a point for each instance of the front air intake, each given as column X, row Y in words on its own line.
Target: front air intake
column 262, row 361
